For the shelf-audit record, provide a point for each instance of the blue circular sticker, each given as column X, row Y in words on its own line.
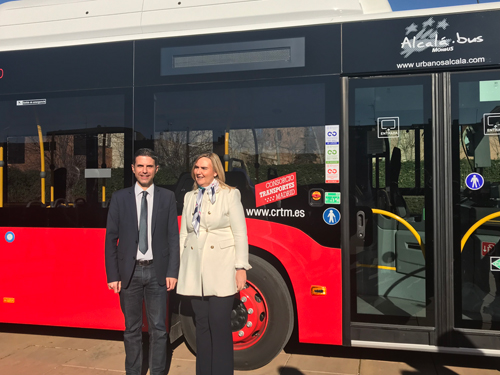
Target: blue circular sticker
column 10, row 237
column 331, row 216
column 474, row 181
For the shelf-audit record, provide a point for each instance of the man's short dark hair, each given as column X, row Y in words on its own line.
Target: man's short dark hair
column 146, row 152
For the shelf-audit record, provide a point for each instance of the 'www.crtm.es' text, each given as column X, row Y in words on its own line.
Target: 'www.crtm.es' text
column 275, row 212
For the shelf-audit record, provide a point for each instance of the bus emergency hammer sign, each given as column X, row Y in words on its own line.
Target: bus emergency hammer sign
column 276, row 190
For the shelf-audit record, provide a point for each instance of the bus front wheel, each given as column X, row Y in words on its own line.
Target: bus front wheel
column 261, row 320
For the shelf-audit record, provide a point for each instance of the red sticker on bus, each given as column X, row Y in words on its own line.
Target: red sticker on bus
column 1, row 73
column 276, row 190
column 486, row 247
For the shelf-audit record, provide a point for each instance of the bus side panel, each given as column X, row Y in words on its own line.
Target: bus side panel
column 56, row 276
column 62, row 280
column 307, row 264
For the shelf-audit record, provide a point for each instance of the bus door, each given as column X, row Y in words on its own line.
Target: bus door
column 390, row 209
column 475, row 112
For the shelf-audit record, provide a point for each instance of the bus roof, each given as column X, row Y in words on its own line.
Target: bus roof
column 29, row 24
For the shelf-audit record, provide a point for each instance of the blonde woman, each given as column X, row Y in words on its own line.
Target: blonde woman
column 214, row 261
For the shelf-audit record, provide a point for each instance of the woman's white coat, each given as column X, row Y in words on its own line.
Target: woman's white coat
column 209, row 261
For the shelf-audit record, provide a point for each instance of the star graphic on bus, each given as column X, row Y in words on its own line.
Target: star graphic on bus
column 413, row 28
column 442, row 24
column 428, row 23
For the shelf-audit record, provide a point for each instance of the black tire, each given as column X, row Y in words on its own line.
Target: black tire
column 279, row 314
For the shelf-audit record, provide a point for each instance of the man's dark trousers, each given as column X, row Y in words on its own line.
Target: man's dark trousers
column 144, row 286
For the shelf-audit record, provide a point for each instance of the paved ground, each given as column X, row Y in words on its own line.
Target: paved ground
column 55, row 351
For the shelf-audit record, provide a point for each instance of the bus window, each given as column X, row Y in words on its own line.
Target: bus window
column 281, row 151
column 176, row 151
column 271, row 131
column 64, row 141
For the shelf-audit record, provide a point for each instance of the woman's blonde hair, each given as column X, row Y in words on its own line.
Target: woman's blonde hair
column 218, row 168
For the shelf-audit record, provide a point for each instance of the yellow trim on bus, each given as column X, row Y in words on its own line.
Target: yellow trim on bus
column 376, row 266
column 42, row 160
column 404, row 222
column 475, row 226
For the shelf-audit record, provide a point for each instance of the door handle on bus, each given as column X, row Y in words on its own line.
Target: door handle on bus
column 360, row 224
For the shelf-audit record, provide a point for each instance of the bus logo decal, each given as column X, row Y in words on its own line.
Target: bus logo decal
column 276, row 190
column 428, row 37
column 10, row 237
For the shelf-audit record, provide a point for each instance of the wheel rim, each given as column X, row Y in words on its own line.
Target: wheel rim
column 249, row 318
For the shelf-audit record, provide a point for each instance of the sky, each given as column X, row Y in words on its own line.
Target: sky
column 416, row 4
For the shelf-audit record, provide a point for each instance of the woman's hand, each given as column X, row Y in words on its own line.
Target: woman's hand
column 241, row 279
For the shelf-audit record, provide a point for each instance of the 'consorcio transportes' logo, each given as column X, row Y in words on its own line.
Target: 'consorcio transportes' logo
column 430, row 35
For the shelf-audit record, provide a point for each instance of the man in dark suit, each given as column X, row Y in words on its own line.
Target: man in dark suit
column 142, row 260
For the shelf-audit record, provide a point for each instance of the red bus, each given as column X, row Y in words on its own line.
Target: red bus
column 366, row 148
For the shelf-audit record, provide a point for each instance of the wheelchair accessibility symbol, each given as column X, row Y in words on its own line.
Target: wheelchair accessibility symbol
column 331, row 216
column 474, row 181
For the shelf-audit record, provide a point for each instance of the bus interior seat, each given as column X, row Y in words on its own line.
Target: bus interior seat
column 243, row 170
column 397, row 200
column 184, row 184
column 383, row 200
column 35, row 204
column 238, row 179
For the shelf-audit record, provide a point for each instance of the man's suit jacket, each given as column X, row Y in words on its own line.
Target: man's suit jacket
column 122, row 236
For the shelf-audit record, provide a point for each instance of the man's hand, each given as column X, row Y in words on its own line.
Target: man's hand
column 115, row 285
column 241, row 279
column 170, row 281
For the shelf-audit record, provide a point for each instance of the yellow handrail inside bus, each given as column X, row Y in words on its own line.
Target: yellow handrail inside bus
column 1, row 177
column 42, row 159
column 51, row 149
column 475, row 226
column 226, row 152
column 405, row 223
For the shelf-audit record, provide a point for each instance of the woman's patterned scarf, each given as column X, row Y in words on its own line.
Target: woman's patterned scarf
column 211, row 189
